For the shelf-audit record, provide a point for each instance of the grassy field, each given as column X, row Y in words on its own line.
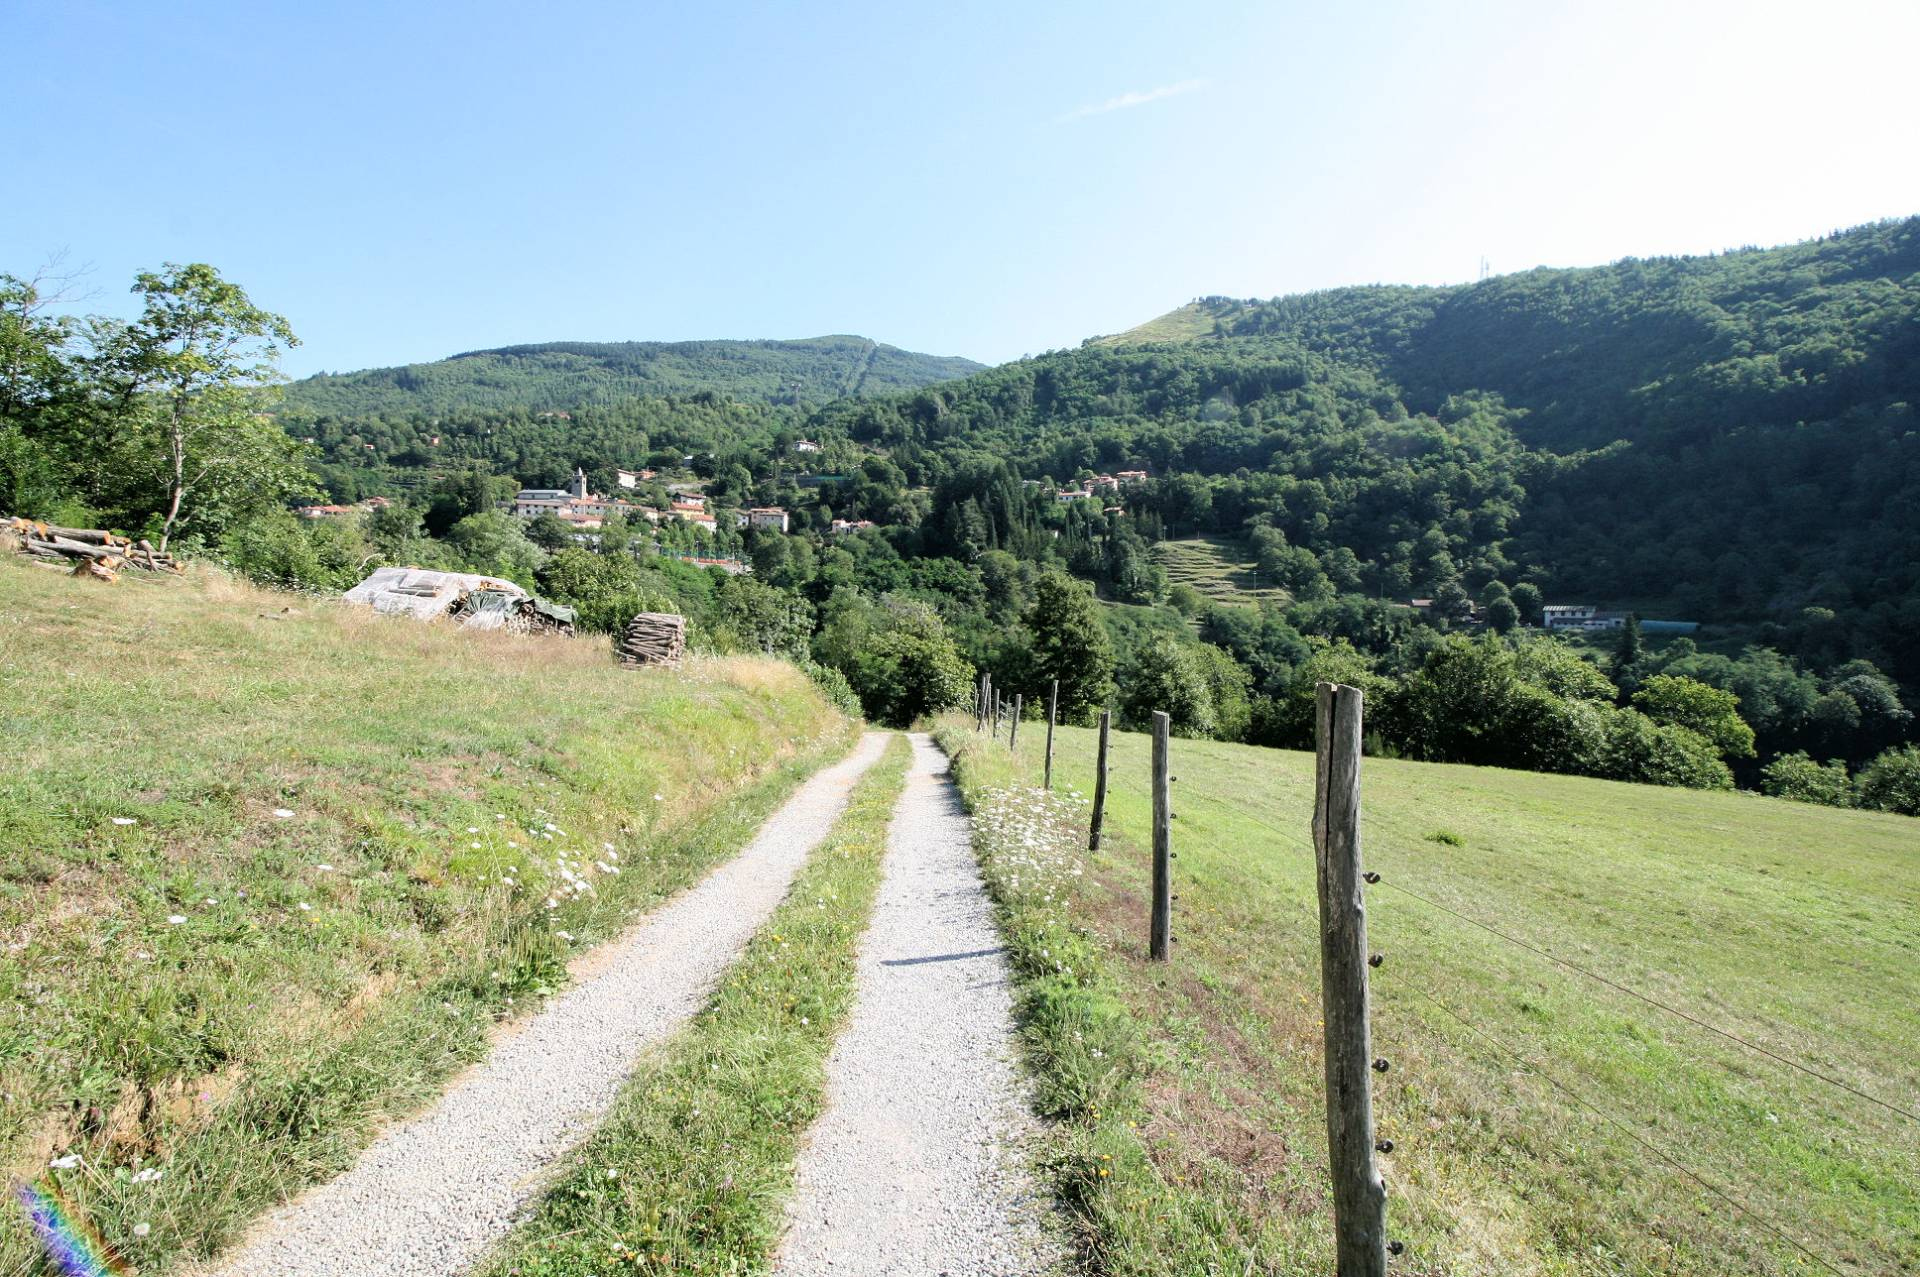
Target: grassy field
column 1183, row 323
column 272, row 868
column 1533, row 1109
column 691, row 1171
column 1221, row 570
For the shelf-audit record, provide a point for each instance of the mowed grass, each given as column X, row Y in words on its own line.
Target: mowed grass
column 272, row 868
column 1543, row 1122
column 1222, row 570
column 691, row 1171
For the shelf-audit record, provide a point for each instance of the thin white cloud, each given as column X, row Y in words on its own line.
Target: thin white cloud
column 1140, row 97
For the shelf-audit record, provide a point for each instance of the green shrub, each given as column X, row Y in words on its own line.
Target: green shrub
column 1891, row 782
column 834, row 685
column 1641, row 750
column 281, row 549
column 1799, row 778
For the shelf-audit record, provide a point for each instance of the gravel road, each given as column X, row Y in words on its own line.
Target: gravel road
column 431, row 1194
column 918, row 1165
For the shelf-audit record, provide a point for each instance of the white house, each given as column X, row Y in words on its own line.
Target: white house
column 1579, row 616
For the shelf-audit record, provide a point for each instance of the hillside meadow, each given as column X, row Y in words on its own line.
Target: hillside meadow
column 273, row 868
column 1544, row 1121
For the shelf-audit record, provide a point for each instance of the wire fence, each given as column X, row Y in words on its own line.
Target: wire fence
column 1296, row 838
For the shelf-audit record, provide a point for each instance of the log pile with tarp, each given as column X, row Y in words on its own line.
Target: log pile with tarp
column 473, row 601
column 654, row 638
column 88, row 552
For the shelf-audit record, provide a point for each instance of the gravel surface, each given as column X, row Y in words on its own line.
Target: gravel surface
column 431, row 1194
column 918, row 1166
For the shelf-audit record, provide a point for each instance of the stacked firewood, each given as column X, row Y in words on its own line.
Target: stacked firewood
column 90, row 551
column 654, row 638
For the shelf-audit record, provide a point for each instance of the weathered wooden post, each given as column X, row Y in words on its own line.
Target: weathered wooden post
column 1359, row 1195
column 1160, row 933
column 1053, row 707
column 1100, row 783
column 980, row 705
column 1013, row 728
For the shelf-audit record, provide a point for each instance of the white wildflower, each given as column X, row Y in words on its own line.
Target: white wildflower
column 125, row 820
column 175, row 919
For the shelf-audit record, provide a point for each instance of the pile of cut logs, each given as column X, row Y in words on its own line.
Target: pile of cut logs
column 654, row 638
column 91, row 552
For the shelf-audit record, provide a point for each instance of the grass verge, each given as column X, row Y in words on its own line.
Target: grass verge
column 1197, row 1084
column 272, row 869
column 690, row 1171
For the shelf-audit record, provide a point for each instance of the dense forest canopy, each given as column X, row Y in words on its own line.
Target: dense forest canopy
column 564, row 375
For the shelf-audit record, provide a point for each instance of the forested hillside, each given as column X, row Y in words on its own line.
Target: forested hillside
column 564, row 375
column 1728, row 438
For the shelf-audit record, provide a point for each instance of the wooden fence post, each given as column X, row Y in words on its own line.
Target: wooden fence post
column 1359, row 1196
column 1013, row 728
column 980, row 705
column 1100, row 783
column 1160, row 933
column 1053, row 707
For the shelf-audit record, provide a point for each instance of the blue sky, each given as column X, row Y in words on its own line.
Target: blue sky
column 404, row 181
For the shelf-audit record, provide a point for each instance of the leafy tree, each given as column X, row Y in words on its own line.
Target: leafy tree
column 1455, row 708
column 605, row 590
column 1527, row 597
column 1288, row 720
column 1799, row 778
column 1891, row 782
column 471, row 490
column 753, row 616
column 189, row 370
column 1648, row 753
column 1228, row 684
column 1503, row 615
column 1629, row 650
column 1186, row 600
column 1168, row 678
column 1069, row 643
column 1712, row 713
column 494, row 544
column 910, row 668
column 279, row 548
column 549, row 533
column 1551, row 665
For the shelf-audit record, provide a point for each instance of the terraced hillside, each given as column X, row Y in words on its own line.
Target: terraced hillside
column 1222, row 570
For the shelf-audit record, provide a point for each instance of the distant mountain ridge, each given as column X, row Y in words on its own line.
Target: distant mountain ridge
column 563, row 375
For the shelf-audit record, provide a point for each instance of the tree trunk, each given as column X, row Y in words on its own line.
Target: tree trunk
column 179, row 484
